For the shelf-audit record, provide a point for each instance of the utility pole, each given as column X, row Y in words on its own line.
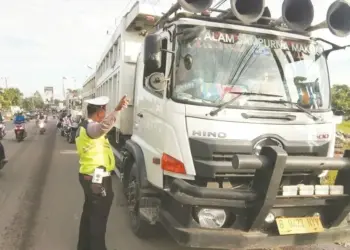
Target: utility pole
column 5, row 80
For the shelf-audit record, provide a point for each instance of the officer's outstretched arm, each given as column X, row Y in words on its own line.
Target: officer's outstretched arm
column 96, row 130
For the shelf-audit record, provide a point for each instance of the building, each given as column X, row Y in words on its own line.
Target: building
column 116, row 69
column 88, row 91
column 89, row 88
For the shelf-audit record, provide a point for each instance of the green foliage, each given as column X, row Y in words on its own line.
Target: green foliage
column 10, row 97
column 33, row 102
column 341, row 98
column 344, row 127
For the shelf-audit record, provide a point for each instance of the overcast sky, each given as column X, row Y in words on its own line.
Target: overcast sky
column 43, row 40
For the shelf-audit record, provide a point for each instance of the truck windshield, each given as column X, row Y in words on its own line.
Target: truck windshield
column 213, row 63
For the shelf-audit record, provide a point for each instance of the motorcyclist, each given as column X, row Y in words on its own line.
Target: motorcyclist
column 61, row 117
column 1, row 119
column 2, row 150
column 19, row 118
column 41, row 116
column 2, row 123
column 68, row 120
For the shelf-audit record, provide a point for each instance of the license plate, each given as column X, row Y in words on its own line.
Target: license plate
column 303, row 225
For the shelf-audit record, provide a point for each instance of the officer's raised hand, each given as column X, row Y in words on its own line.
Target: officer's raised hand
column 123, row 103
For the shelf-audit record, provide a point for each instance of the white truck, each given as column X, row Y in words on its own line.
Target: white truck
column 230, row 126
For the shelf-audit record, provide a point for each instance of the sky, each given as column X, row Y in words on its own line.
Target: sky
column 42, row 41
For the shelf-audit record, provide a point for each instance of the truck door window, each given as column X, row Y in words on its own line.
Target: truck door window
column 162, row 69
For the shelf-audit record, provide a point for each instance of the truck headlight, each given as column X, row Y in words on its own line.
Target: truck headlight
column 211, row 218
column 270, row 218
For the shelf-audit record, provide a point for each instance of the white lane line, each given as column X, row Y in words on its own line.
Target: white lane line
column 68, row 152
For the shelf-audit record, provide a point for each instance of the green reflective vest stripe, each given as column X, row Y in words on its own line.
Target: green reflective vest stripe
column 93, row 152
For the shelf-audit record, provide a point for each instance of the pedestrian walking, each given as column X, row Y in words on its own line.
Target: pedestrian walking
column 96, row 163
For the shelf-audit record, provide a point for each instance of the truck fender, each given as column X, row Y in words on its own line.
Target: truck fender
column 135, row 150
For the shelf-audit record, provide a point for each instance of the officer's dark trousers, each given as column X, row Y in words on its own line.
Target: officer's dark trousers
column 2, row 152
column 94, row 218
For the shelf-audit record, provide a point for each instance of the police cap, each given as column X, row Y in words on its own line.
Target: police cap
column 98, row 101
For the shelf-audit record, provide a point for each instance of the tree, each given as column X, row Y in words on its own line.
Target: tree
column 10, row 97
column 28, row 103
column 341, row 98
column 38, row 100
column 33, row 102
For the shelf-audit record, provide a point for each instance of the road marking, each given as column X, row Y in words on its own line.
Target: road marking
column 68, row 152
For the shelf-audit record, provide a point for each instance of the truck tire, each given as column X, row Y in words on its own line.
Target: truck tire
column 140, row 227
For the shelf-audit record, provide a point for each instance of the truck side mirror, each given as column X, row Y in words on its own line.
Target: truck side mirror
column 156, row 82
column 152, row 53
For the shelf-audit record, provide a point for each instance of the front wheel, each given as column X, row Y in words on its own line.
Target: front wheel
column 139, row 226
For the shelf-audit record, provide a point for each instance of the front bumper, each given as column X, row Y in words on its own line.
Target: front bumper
column 250, row 207
column 235, row 239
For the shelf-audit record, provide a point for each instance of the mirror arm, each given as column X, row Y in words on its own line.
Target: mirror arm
column 168, row 51
column 335, row 47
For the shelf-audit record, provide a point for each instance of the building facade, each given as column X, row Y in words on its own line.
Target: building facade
column 89, row 88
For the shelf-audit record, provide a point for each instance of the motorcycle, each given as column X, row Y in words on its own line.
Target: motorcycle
column 72, row 130
column 20, row 132
column 64, row 130
column 42, row 127
column 2, row 130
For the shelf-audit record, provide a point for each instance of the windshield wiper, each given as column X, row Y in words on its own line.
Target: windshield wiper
column 315, row 118
column 224, row 105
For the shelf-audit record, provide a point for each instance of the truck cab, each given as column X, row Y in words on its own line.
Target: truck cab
column 232, row 130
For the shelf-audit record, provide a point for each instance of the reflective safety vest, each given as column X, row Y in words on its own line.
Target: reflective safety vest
column 93, row 152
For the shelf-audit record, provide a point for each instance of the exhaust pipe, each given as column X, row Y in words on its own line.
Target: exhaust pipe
column 297, row 14
column 338, row 19
column 248, row 11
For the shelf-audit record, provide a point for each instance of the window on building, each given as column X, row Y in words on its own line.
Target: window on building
column 114, row 90
column 107, row 61
column 111, row 57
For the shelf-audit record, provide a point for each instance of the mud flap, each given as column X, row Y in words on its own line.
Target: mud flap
column 149, row 209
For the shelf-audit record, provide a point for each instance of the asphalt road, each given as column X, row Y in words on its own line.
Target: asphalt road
column 41, row 200
column 9, row 125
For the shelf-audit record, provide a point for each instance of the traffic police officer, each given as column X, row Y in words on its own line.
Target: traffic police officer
column 96, row 163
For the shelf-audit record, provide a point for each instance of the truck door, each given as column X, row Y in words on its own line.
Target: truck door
column 148, row 116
